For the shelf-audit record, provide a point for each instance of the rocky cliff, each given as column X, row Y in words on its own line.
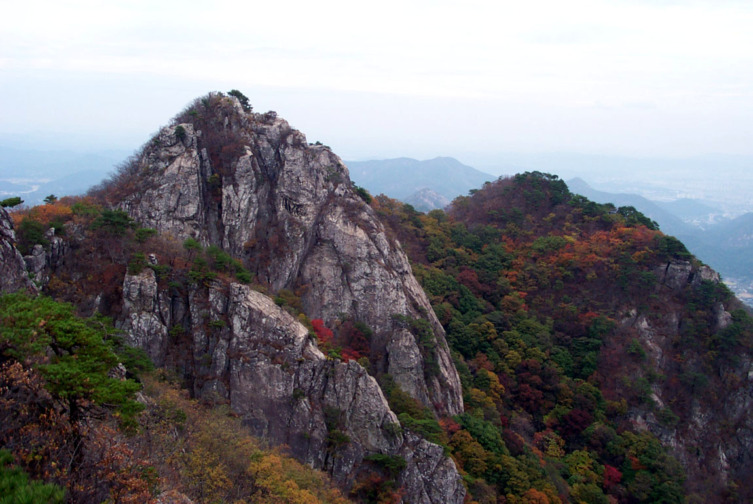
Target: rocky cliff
column 713, row 434
column 242, row 348
column 252, row 185
column 13, row 273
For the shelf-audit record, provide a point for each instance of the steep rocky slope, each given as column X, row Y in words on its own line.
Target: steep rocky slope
column 700, row 406
column 13, row 274
column 594, row 351
column 245, row 349
column 252, row 185
column 248, row 186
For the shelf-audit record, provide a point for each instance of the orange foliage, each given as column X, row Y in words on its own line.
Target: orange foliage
column 91, row 460
column 46, row 214
column 533, row 496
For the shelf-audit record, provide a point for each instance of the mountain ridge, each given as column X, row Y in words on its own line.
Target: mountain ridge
column 402, row 177
column 591, row 353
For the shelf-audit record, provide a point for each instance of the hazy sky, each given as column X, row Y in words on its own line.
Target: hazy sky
column 389, row 78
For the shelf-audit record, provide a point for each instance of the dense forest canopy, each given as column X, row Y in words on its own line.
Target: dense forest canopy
column 533, row 286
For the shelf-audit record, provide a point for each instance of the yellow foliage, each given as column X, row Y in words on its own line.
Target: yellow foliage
column 273, row 483
column 206, row 454
column 469, row 453
column 207, row 475
column 479, row 399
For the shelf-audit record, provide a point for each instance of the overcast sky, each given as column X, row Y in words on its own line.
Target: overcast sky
column 389, row 78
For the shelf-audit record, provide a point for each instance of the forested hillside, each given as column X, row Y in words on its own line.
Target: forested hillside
column 599, row 360
column 591, row 358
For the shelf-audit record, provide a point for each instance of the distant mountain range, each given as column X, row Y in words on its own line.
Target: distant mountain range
column 425, row 184
column 726, row 245
column 669, row 222
column 33, row 174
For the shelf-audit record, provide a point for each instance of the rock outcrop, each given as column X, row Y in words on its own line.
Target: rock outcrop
column 712, row 437
column 251, row 184
column 42, row 261
column 240, row 347
column 13, row 273
column 677, row 274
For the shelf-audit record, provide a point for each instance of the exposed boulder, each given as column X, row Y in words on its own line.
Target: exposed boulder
column 676, row 274
column 146, row 314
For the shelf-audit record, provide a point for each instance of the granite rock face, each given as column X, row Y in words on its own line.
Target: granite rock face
column 43, row 261
column 13, row 273
column 715, row 439
column 241, row 348
column 251, row 185
column 676, row 274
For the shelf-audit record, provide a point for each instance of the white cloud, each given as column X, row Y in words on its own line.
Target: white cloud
column 561, row 60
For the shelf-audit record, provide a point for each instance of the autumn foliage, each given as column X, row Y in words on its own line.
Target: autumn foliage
column 350, row 343
column 530, row 283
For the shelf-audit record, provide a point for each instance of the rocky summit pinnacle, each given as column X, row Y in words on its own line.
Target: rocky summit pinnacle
column 251, row 184
column 253, row 187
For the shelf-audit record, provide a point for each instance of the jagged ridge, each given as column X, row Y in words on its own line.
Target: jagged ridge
column 252, row 185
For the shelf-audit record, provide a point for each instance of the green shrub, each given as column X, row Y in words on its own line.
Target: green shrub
column 72, row 353
column 192, row 245
column 363, row 194
column 161, row 270
column 549, row 243
column 243, row 276
column 85, row 209
column 200, row 272
column 180, row 133
column 143, row 234
column 672, row 247
column 29, row 233
column 635, row 348
column 16, row 488
column 391, row 464
column 241, row 98
column 137, row 263
column 667, row 417
column 11, row 202
column 217, row 324
column 115, row 222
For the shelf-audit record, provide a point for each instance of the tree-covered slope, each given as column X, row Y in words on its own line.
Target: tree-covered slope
column 599, row 360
